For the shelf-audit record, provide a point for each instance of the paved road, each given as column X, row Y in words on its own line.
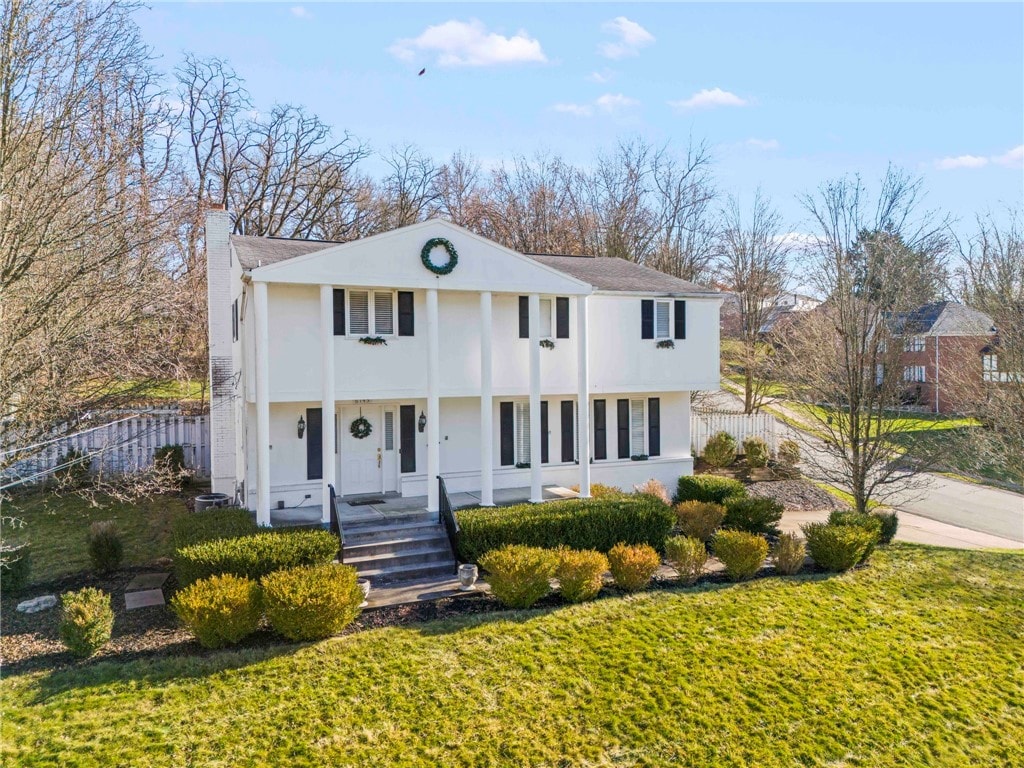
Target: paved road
column 989, row 511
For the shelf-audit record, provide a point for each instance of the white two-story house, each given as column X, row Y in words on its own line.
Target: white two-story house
column 377, row 365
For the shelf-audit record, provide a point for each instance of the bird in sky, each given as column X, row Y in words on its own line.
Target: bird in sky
column 423, row 71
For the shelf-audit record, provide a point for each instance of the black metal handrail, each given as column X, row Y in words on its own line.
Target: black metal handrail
column 336, row 525
column 446, row 517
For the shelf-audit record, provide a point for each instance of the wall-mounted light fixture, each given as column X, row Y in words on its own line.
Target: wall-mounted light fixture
column 422, row 422
column 302, row 426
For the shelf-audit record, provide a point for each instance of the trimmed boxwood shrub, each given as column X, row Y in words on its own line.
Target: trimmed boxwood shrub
column 869, row 523
column 106, row 550
column 699, row 519
column 312, row 602
column 580, row 573
column 837, row 547
column 688, row 556
column 86, row 621
column 756, row 452
column 788, row 554
column 720, row 450
column 788, row 453
column 890, row 524
column 210, row 525
column 597, row 524
column 753, row 515
column 741, row 553
column 633, row 565
column 220, row 610
column 254, row 556
column 711, row 488
column 15, row 567
column 519, row 576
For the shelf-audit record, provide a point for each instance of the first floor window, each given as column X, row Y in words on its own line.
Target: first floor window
column 914, row 373
column 637, row 433
column 523, row 433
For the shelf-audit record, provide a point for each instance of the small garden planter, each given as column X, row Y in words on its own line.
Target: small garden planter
column 468, row 574
column 364, row 584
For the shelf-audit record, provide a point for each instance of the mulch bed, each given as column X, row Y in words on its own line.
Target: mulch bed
column 797, row 495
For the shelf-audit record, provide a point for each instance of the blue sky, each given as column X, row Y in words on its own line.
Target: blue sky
column 786, row 95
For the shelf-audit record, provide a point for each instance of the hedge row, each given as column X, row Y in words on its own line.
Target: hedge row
column 586, row 524
column 254, row 556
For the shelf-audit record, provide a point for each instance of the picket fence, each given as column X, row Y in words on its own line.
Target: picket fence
column 705, row 423
column 123, row 446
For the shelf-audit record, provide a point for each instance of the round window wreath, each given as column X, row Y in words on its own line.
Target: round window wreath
column 360, row 428
column 442, row 269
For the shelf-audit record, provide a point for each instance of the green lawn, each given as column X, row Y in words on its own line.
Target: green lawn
column 57, row 527
column 914, row 661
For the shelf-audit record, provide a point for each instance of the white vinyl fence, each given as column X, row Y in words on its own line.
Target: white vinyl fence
column 121, row 446
column 704, row 424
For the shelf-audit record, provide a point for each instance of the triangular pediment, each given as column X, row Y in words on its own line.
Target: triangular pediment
column 393, row 259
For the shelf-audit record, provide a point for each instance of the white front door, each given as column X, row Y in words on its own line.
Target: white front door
column 361, row 458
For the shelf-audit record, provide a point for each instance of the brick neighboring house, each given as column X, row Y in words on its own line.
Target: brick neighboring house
column 944, row 346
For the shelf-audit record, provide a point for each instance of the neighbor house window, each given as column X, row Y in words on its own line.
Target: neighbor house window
column 371, row 309
column 914, row 373
column 913, row 344
column 990, row 367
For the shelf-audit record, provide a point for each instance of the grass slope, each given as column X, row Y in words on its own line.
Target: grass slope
column 914, row 661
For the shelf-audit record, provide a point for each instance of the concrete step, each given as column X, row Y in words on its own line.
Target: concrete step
column 365, row 534
column 408, row 572
column 405, row 557
column 403, row 519
column 396, row 544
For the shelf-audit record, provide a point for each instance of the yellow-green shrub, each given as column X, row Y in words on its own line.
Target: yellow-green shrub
column 519, row 576
column 688, row 556
column 741, row 553
column 838, row 547
column 602, row 491
column 254, row 556
column 311, row 602
column 788, row 554
column 699, row 519
column 86, row 621
column 219, row 610
column 633, row 565
column 720, row 450
column 579, row 573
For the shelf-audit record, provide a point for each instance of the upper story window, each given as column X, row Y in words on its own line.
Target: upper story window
column 662, row 313
column 371, row 310
column 662, row 319
column 913, row 344
column 546, row 308
column 554, row 318
column 914, row 373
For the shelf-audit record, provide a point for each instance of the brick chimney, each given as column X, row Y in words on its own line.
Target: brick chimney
column 221, row 293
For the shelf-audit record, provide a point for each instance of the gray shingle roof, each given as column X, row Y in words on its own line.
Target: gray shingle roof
column 604, row 274
column 945, row 318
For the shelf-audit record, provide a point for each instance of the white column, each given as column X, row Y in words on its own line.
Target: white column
column 433, row 403
column 684, row 432
column 583, row 394
column 262, row 406
column 536, row 491
column 486, row 404
column 327, row 397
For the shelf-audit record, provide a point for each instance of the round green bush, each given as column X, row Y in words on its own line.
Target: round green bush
column 890, row 524
column 741, row 553
column 753, row 515
column 688, row 556
column 580, row 573
column 788, row 554
column 698, row 519
column 837, row 547
column 869, row 523
column 219, row 610
column 633, row 565
column 312, row 602
column 519, row 576
column 756, row 451
column 720, row 450
column 106, row 550
column 86, row 621
column 709, row 488
column 15, row 567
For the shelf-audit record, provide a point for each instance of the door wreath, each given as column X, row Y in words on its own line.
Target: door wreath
column 360, row 428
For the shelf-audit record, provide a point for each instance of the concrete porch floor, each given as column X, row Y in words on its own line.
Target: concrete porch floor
column 383, row 508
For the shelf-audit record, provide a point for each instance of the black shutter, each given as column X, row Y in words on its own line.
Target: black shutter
column 524, row 317
column 600, row 431
column 544, row 432
column 506, row 429
column 646, row 319
column 568, row 435
column 339, row 311
column 314, row 444
column 562, row 317
column 406, row 318
column 654, row 426
column 680, row 320
column 623, row 425
column 407, row 437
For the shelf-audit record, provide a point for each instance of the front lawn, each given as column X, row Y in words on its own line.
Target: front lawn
column 913, row 661
column 57, row 528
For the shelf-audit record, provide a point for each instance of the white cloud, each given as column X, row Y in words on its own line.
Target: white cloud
column 764, row 144
column 709, row 98
column 602, row 77
column 962, row 161
column 1012, row 159
column 630, row 38
column 301, row 12
column 609, row 104
column 468, row 44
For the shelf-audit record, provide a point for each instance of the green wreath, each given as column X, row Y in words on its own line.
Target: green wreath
column 443, row 269
column 360, row 428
